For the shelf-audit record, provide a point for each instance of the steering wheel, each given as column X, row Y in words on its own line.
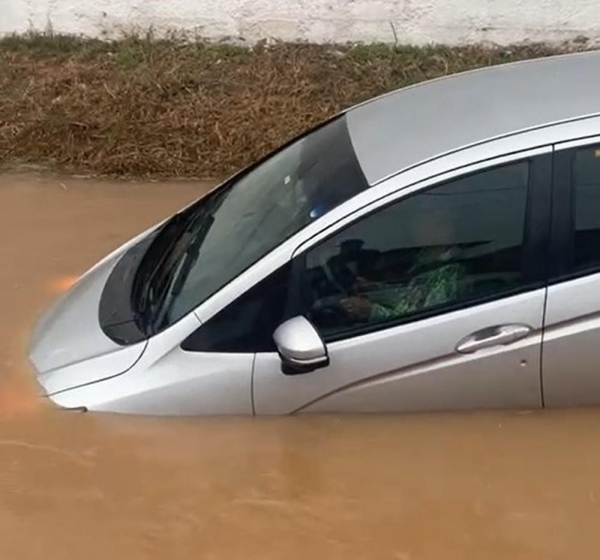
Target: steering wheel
column 329, row 313
column 332, row 278
column 329, row 309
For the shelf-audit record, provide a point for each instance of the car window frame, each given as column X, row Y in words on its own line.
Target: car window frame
column 535, row 245
column 440, row 170
column 562, row 243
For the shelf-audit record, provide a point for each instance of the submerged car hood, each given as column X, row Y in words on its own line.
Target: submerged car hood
column 69, row 335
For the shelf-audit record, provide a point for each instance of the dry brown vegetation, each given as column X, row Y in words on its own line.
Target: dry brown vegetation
column 147, row 107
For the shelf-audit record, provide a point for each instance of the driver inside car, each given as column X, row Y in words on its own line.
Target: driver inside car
column 434, row 279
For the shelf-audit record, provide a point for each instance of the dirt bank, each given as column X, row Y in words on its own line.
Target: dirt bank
column 166, row 108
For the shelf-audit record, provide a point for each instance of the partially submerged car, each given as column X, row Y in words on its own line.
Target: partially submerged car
column 436, row 248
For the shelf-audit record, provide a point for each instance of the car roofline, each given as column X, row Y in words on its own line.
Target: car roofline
column 465, row 73
column 515, row 134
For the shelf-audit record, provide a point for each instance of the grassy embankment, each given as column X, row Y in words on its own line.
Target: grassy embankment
column 146, row 107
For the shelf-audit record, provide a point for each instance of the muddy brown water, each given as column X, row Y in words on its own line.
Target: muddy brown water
column 438, row 486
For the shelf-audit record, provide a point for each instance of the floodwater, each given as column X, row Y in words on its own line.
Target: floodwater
column 446, row 486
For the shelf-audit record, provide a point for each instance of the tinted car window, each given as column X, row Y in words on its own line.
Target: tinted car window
column 437, row 249
column 221, row 236
column 248, row 324
column 586, row 191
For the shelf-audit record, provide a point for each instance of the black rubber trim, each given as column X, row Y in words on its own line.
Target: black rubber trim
column 536, row 255
column 561, row 239
column 116, row 314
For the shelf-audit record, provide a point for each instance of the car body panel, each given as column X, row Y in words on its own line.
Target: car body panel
column 90, row 370
column 416, row 367
column 169, row 381
column 69, row 347
column 69, row 331
column 176, row 386
column 571, row 343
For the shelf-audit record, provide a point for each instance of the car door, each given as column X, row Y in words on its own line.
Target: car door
column 571, row 349
column 431, row 301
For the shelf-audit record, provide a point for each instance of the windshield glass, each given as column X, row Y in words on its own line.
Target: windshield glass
column 225, row 233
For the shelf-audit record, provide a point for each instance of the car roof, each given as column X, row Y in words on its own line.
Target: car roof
column 412, row 125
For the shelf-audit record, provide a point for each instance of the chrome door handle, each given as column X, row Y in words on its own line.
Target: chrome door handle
column 492, row 336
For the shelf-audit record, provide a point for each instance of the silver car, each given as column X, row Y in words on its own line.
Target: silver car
column 436, row 248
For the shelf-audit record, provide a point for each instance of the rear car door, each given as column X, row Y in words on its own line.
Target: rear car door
column 432, row 301
column 571, row 346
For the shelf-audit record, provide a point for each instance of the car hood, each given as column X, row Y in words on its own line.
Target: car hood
column 68, row 336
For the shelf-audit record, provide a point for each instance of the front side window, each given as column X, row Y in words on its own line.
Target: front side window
column 215, row 240
column 437, row 249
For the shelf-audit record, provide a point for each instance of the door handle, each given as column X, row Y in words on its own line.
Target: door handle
column 500, row 335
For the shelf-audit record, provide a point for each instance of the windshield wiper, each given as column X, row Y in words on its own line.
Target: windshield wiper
column 150, row 265
column 159, row 283
column 174, row 277
column 158, row 266
column 191, row 255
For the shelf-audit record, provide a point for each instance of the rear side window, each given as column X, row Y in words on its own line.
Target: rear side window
column 585, row 175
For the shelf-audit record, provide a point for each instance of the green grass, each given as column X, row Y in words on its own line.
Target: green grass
column 50, row 45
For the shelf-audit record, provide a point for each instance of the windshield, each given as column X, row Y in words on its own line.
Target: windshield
column 215, row 240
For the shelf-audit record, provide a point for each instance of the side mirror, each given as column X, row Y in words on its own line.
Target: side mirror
column 300, row 347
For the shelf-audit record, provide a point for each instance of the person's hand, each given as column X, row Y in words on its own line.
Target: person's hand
column 363, row 285
column 357, row 307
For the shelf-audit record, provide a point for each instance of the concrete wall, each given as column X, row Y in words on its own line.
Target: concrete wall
column 414, row 21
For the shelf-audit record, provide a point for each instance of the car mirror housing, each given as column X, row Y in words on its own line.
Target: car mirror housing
column 300, row 346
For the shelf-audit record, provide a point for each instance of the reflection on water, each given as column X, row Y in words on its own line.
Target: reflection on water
column 468, row 486
column 61, row 284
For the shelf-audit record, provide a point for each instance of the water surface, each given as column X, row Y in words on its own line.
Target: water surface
column 474, row 486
